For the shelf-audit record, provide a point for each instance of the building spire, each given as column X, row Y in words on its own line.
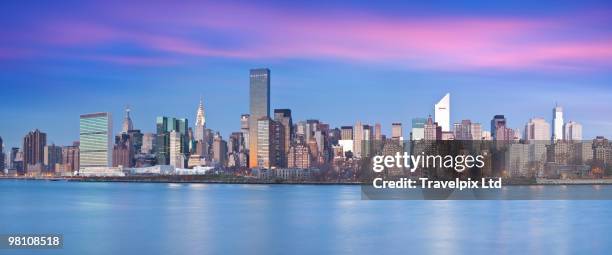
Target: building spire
column 127, row 121
column 201, row 115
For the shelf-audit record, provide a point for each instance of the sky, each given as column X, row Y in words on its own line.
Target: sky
column 337, row 61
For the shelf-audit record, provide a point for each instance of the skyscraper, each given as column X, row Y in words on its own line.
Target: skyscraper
column 499, row 130
column 418, row 129
column 463, row 130
column 346, row 133
column 177, row 158
column 52, row 156
column 265, row 152
column 13, row 158
column 377, row 132
column 442, row 113
column 219, row 149
column 432, row 131
column 572, row 131
column 557, row 123
column 33, row 148
column 200, row 124
column 283, row 116
column 148, row 143
column 497, row 121
column 123, row 151
column 260, row 108
column 537, row 129
column 165, row 125
column 358, row 134
column 476, row 131
column 299, row 156
column 127, row 122
column 244, row 128
column 396, row 131
column 95, row 136
column 70, row 158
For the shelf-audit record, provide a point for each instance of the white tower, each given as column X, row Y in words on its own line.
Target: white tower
column 557, row 123
column 442, row 113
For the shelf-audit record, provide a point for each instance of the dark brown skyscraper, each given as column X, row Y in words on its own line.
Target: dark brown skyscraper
column 33, row 148
column 283, row 117
column 123, row 151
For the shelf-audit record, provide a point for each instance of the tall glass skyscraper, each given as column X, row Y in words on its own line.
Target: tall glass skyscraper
column 259, row 105
column 165, row 125
column 95, row 136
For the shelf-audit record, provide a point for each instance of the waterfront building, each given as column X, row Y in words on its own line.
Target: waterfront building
column 264, row 157
column 442, row 113
column 15, row 160
column 299, row 156
column 95, row 137
column 561, row 152
column 176, row 149
column 517, row 159
column 70, row 158
column 33, row 148
column 259, row 96
column 583, row 151
column 270, row 143
column 123, row 151
column 52, row 157
column 602, row 151
column 278, row 143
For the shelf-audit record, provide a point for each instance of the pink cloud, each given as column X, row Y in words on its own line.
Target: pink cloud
column 462, row 43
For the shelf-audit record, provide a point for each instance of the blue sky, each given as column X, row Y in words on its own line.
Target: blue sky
column 331, row 60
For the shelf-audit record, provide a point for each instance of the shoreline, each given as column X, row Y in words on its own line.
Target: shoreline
column 201, row 180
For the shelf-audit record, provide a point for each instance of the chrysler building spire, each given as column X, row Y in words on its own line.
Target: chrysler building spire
column 200, row 124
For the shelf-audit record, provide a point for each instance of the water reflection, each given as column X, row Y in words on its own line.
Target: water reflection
column 277, row 219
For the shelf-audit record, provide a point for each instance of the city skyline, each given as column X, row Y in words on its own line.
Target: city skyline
column 118, row 127
column 363, row 66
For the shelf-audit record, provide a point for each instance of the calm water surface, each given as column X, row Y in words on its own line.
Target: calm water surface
column 135, row 218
